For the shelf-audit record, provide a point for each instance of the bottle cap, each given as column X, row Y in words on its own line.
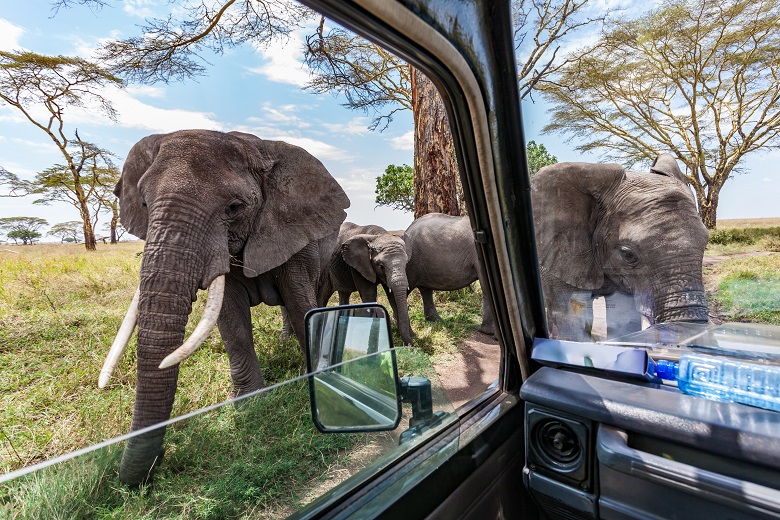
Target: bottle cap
column 666, row 369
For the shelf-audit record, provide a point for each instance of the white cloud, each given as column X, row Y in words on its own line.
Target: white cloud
column 766, row 179
column 135, row 114
column 283, row 60
column 146, row 91
column 357, row 126
column 9, row 35
column 284, row 114
column 132, row 113
column 138, row 8
column 404, row 142
column 319, row 149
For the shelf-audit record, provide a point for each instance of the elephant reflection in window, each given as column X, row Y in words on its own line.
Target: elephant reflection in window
column 634, row 238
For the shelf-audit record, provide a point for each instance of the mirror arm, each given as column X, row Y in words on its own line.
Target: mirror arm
column 417, row 391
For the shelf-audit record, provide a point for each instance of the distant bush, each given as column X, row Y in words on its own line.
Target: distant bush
column 745, row 236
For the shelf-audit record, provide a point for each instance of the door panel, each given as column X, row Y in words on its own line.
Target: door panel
column 655, row 452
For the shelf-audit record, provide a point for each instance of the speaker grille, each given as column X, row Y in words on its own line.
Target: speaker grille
column 558, row 442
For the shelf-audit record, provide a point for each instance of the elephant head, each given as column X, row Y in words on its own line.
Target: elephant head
column 601, row 229
column 382, row 259
column 203, row 200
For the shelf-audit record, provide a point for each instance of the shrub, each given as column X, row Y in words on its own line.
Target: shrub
column 746, row 236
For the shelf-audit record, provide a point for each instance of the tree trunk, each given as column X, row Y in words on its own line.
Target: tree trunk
column 708, row 209
column 114, row 221
column 437, row 186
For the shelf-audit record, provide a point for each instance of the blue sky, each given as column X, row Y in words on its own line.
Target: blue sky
column 257, row 91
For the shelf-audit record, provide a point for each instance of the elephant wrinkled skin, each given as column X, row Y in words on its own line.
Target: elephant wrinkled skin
column 444, row 258
column 635, row 238
column 365, row 257
column 263, row 214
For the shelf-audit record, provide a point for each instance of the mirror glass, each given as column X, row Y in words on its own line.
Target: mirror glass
column 355, row 385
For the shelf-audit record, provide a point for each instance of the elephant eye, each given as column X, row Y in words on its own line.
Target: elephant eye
column 235, row 208
column 629, row 256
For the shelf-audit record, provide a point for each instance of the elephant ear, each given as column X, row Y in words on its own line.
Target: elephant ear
column 565, row 199
column 666, row 164
column 356, row 252
column 302, row 203
column 134, row 215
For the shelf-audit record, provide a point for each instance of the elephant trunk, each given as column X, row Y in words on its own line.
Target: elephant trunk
column 686, row 305
column 399, row 288
column 170, row 277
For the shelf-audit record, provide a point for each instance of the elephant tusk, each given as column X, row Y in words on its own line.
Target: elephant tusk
column 120, row 342
column 206, row 323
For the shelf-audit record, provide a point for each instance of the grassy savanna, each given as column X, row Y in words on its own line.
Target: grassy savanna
column 745, row 287
column 60, row 308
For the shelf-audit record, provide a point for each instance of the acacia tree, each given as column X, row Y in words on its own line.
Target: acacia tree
column 86, row 184
column 373, row 80
column 26, row 229
column 172, row 47
column 699, row 78
column 30, row 82
column 70, row 231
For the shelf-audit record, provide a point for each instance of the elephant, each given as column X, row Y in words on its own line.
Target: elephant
column 444, row 258
column 364, row 257
column 252, row 220
column 634, row 238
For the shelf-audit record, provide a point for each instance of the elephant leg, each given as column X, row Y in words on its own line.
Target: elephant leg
column 366, row 289
column 235, row 327
column 287, row 331
column 296, row 282
column 429, row 308
column 622, row 316
column 344, row 297
column 488, row 325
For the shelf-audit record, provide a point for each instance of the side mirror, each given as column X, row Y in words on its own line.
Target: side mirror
column 354, row 386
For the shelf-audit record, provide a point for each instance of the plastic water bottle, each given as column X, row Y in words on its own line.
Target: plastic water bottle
column 724, row 379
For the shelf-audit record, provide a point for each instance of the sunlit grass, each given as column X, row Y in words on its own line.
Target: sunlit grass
column 748, row 289
column 60, row 308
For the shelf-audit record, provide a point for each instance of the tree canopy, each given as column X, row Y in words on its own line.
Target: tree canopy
column 36, row 84
column 538, row 157
column 395, row 188
column 26, row 229
column 70, row 231
column 697, row 78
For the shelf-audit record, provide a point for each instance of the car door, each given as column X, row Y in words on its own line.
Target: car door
column 571, row 442
column 550, row 440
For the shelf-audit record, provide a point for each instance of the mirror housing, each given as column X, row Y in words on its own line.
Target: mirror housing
column 353, row 381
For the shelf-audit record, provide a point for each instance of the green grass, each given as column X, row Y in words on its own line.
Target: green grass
column 748, row 289
column 60, row 308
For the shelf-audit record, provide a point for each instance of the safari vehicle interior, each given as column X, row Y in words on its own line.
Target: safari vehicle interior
column 570, row 429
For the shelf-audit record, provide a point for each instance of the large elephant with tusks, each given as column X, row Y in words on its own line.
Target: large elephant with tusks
column 633, row 237
column 253, row 221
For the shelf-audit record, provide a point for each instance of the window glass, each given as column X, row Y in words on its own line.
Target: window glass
column 651, row 136
column 251, row 455
column 89, row 89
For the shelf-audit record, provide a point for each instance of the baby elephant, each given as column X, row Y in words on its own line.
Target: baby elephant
column 444, row 258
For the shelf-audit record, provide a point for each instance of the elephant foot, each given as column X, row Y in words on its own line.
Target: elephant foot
column 433, row 317
column 135, row 470
column 487, row 329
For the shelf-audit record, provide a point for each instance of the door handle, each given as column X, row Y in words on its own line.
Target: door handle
column 614, row 452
